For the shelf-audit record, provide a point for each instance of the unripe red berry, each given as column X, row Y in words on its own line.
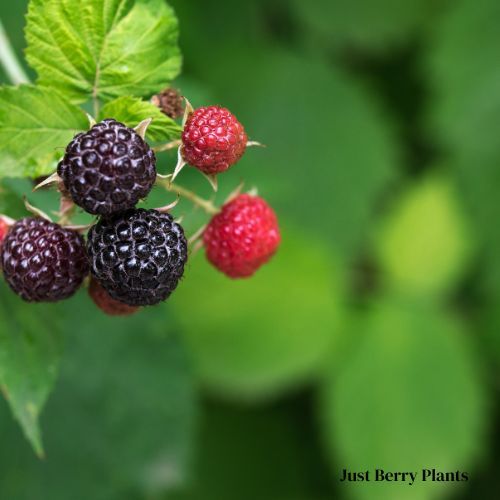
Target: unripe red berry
column 242, row 237
column 106, row 303
column 213, row 140
column 4, row 228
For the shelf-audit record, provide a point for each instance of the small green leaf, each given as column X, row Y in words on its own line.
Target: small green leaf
column 30, row 347
column 409, row 397
column 35, row 125
column 131, row 111
column 103, row 48
column 425, row 243
column 256, row 337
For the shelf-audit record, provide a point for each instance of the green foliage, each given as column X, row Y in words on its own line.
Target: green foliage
column 409, row 397
column 255, row 453
column 341, row 93
column 122, row 417
column 30, row 346
column 131, row 111
column 331, row 166
column 424, row 243
column 465, row 116
column 103, row 48
column 34, row 122
column 245, row 339
column 365, row 24
column 10, row 202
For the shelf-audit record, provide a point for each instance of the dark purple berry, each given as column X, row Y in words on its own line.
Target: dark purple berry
column 108, row 169
column 138, row 256
column 43, row 262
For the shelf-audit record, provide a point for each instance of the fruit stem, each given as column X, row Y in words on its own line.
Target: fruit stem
column 9, row 60
column 167, row 146
column 206, row 205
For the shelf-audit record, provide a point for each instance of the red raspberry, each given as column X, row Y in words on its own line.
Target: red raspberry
column 106, row 303
column 242, row 237
column 213, row 140
column 4, row 228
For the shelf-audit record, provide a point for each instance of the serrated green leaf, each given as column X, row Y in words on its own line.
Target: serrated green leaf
column 35, row 124
column 30, row 347
column 131, row 111
column 265, row 334
column 424, row 244
column 409, row 397
column 103, row 48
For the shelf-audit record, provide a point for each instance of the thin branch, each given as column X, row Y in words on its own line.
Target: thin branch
column 206, row 205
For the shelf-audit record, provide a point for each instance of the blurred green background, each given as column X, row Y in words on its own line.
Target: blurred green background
column 372, row 340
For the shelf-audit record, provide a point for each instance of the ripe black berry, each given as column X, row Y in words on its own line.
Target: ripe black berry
column 108, row 169
column 43, row 262
column 138, row 256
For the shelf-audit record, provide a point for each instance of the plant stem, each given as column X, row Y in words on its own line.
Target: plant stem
column 95, row 102
column 9, row 60
column 206, row 205
column 167, row 146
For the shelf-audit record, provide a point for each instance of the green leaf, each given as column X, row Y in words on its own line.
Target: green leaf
column 121, row 421
column 462, row 64
column 365, row 24
column 103, row 48
column 264, row 453
column 424, row 243
column 409, row 397
column 30, row 347
column 131, row 111
column 35, row 125
column 10, row 203
column 256, row 337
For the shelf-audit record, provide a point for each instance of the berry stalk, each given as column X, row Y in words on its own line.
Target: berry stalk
column 9, row 60
column 206, row 205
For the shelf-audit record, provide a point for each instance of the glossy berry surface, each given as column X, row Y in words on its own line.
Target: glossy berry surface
column 106, row 303
column 43, row 262
column 242, row 237
column 138, row 256
column 108, row 169
column 213, row 140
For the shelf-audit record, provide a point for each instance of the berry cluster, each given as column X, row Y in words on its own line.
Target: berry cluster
column 136, row 257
